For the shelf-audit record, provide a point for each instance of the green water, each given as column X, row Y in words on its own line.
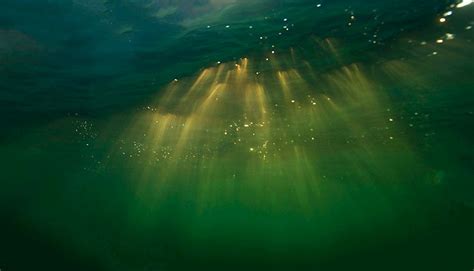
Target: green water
column 204, row 135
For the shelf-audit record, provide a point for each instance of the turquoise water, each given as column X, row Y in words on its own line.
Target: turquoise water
column 236, row 135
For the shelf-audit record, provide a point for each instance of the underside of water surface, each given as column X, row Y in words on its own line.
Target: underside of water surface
column 236, row 135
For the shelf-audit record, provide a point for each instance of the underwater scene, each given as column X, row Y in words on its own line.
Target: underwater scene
column 236, row 135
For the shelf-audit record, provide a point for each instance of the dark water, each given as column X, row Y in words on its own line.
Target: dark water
column 236, row 135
